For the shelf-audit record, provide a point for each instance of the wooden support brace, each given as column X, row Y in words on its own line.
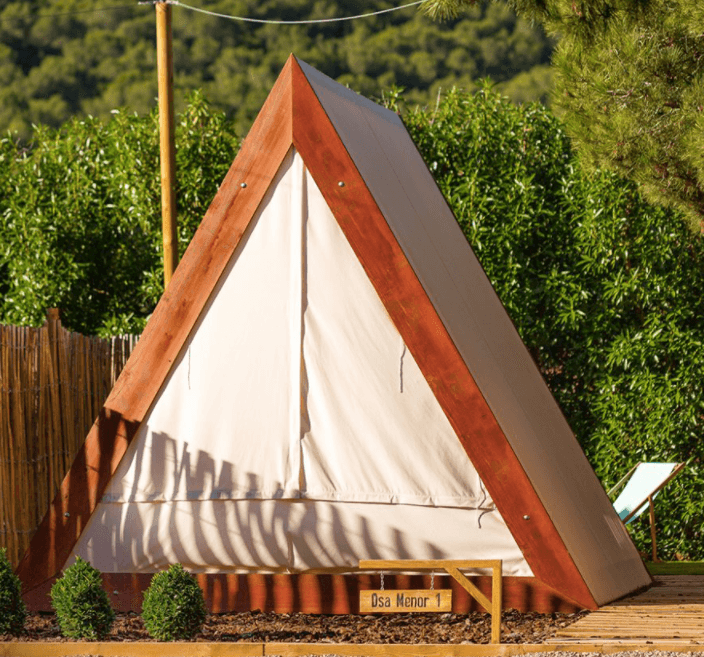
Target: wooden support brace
column 470, row 588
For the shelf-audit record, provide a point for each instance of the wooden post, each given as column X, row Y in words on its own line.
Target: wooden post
column 53, row 323
column 652, row 528
column 496, row 602
column 165, row 66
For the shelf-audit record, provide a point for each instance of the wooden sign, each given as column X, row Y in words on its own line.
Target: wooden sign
column 395, row 601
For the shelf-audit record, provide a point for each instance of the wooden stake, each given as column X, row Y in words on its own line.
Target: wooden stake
column 652, row 528
column 165, row 66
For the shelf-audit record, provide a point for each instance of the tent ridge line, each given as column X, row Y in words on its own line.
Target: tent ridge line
column 301, row 86
column 419, row 324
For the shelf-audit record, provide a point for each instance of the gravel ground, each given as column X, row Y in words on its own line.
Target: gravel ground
column 257, row 627
column 254, row 627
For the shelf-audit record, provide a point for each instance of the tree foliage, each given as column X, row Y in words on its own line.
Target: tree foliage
column 631, row 89
column 66, row 58
column 629, row 81
column 80, row 215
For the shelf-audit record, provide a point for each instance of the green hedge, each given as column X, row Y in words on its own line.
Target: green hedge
column 80, row 215
column 12, row 610
column 81, row 604
column 173, row 607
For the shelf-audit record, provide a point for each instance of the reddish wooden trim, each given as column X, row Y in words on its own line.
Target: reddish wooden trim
column 77, row 498
column 205, row 259
column 316, row 594
column 207, row 255
column 427, row 339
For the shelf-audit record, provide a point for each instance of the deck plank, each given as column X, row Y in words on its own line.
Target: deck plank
column 671, row 612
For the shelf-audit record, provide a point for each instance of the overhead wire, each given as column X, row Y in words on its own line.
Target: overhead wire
column 245, row 19
column 216, row 14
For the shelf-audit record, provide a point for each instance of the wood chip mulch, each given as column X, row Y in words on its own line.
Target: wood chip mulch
column 257, row 627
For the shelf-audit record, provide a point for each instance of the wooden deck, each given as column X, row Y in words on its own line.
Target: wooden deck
column 670, row 612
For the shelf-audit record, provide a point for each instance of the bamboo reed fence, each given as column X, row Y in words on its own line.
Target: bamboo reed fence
column 52, row 385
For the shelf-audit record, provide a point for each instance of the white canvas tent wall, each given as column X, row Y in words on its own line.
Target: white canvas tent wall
column 330, row 377
column 295, row 422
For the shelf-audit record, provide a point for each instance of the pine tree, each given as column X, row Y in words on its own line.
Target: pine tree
column 630, row 84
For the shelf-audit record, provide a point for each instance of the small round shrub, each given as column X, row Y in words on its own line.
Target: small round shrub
column 82, row 607
column 12, row 609
column 173, row 607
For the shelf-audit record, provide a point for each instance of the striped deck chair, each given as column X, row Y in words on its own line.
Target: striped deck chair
column 642, row 484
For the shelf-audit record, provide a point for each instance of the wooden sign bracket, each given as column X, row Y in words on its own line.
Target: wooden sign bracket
column 454, row 567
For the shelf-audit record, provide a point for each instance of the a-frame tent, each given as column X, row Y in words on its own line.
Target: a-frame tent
column 331, row 377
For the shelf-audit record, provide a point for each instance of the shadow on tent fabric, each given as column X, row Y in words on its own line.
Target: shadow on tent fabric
column 257, row 586
column 183, row 507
